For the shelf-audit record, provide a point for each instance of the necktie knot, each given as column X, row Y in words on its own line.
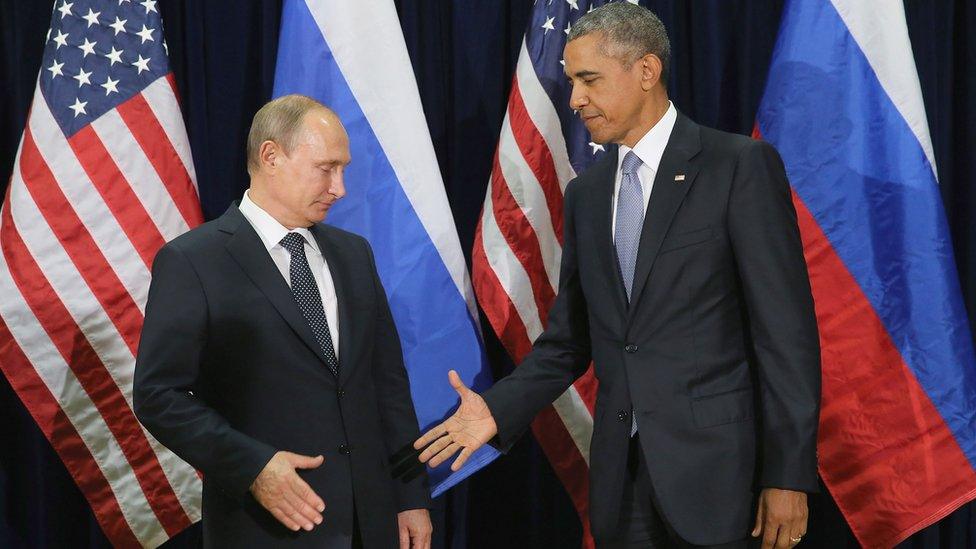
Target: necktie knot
column 631, row 163
column 294, row 243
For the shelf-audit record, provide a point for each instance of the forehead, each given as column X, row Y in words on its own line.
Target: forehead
column 588, row 49
column 324, row 136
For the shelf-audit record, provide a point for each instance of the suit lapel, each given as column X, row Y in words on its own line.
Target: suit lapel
column 338, row 269
column 603, row 183
column 666, row 196
column 245, row 246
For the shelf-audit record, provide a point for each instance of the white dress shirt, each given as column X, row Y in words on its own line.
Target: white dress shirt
column 649, row 149
column 271, row 233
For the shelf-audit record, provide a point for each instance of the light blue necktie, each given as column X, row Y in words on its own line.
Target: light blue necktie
column 630, row 221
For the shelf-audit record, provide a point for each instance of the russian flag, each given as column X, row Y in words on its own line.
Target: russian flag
column 352, row 57
column 844, row 107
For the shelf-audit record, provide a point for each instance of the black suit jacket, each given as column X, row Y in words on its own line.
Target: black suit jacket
column 228, row 372
column 717, row 353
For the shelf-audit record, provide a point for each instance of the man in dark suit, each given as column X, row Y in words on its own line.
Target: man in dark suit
column 270, row 362
column 683, row 280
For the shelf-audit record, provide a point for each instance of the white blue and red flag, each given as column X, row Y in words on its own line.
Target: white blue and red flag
column 352, row 57
column 103, row 178
column 843, row 105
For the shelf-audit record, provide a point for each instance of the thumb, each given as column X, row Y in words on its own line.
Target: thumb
column 760, row 514
column 458, row 385
column 306, row 462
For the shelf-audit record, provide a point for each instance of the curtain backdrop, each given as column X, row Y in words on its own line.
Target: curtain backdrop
column 463, row 55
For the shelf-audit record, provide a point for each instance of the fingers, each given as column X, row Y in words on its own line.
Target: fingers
column 770, row 533
column 444, row 454
column 404, row 537
column 760, row 518
column 431, row 436
column 783, row 540
column 459, row 386
column 284, row 518
column 435, row 447
column 304, row 492
column 299, row 511
column 307, row 514
column 304, row 462
column 285, row 495
column 421, row 539
column 797, row 531
column 459, row 462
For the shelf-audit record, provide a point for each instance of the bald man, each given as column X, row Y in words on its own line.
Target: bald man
column 270, row 362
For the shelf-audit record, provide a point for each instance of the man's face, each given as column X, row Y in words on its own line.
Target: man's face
column 309, row 180
column 607, row 95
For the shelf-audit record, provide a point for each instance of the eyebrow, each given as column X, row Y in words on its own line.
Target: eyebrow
column 584, row 74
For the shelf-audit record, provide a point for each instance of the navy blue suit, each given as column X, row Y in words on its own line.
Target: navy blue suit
column 716, row 354
column 228, row 373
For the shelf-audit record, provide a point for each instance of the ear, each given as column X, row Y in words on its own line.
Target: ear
column 269, row 155
column 651, row 68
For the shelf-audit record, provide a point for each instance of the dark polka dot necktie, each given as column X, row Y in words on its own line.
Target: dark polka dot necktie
column 307, row 295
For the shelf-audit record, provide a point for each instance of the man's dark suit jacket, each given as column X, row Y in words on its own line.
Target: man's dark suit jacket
column 717, row 354
column 228, row 372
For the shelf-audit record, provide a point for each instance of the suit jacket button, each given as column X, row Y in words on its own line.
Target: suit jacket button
column 631, row 348
column 622, row 415
column 343, row 449
column 342, row 393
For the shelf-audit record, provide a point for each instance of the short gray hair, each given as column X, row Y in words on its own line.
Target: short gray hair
column 630, row 32
column 279, row 120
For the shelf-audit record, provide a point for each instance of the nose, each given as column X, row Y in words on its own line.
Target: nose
column 337, row 186
column 578, row 99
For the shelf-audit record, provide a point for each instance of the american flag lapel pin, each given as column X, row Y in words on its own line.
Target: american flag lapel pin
column 679, row 178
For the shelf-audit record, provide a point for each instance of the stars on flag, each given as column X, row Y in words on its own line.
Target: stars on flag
column 119, row 25
column 55, row 69
column 61, row 39
column 92, row 17
column 114, row 49
column 114, row 56
column 146, row 34
column 65, row 9
column 83, row 78
column 548, row 25
column 110, row 85
column 141, row 64
column 79, row 107
column 88, row 48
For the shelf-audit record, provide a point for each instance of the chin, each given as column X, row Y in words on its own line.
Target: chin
column 317, row 216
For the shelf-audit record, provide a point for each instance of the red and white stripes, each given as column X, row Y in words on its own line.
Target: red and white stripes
column 82, row 220
column 517, row 250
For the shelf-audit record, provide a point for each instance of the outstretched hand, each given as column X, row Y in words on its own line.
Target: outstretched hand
column 468, row 429
column 280, row 490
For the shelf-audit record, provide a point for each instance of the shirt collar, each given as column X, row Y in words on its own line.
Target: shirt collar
column 268, row 228
column 651, row 147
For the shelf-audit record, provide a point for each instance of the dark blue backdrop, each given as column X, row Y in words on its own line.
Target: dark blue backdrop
column 463, row 53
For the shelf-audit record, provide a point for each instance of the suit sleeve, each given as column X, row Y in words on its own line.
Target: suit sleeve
column 782, row 324
column 167, row 372
column 397, row 414
column 558, row 357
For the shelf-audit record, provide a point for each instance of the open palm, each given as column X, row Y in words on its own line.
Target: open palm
column 468, row 429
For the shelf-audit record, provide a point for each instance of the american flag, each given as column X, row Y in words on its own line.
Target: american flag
column 518, row 243
column 102, row 179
